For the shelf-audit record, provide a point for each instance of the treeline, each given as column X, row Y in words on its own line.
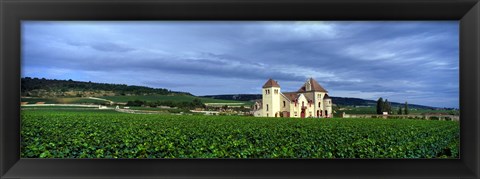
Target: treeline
column 350, row 101
column 52, row 87
column 386, row 106
column 238, row 97
column 195, row 103
column 364, row 102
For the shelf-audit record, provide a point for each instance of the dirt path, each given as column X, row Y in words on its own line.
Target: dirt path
column 101, row 99
column 131, row 111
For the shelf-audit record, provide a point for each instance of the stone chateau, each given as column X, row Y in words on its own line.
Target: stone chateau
column 311, row 100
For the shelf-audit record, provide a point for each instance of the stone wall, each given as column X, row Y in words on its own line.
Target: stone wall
column 410, row 116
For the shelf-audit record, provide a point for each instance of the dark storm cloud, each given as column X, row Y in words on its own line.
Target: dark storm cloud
column 415, row 61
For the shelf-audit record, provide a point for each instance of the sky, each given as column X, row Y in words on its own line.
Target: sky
column 414, row 61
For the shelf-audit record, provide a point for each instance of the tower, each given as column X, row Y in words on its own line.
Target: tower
column 328, row 106
column 271, row 99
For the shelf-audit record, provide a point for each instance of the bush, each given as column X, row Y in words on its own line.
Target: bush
column 434, row 118
column 135, row 103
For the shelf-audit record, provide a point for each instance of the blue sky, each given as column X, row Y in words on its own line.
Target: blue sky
column 414, row 61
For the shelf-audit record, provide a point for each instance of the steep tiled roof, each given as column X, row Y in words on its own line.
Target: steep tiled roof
column 294, row 96
column 270, row 83
column 291, row 95
column 314, row 86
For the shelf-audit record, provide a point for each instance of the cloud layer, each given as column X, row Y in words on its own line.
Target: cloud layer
column 410, row 61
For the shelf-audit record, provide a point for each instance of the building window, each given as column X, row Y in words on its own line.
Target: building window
column 319, row 104
column 319, row 95
column 303, row 104
column 284, row 104
column 267, row 107
column 295, row 113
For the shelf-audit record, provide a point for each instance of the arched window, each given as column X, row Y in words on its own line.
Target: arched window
column 319, row 104
column 303, row 103
column 284, row 104
column 267, row 107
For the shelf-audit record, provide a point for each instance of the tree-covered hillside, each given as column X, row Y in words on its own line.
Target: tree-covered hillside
column 69, row 88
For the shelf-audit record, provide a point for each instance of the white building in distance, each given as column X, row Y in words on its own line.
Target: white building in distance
column 311, row 100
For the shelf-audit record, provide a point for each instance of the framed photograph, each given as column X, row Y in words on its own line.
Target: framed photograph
column 244, row 89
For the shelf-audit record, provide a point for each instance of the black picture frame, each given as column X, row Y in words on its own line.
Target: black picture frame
column 12, row 12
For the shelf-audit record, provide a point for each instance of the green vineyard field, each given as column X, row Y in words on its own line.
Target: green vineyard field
column 109, row 134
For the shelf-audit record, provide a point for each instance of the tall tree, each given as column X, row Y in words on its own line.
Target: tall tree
column 387, row 107
column 390, row 109
column 406, row 108
column 380, row 105
column 400, row 110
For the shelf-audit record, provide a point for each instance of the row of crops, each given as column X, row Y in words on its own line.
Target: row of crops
column 107, row 134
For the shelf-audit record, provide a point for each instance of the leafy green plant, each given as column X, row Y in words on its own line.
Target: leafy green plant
column 109, row 134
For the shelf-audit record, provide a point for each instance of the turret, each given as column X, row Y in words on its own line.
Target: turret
column 328, row 106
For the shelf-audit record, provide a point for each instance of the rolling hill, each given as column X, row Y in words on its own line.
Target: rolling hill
column 52, row 91
column 36, row 87
column 68, row 91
